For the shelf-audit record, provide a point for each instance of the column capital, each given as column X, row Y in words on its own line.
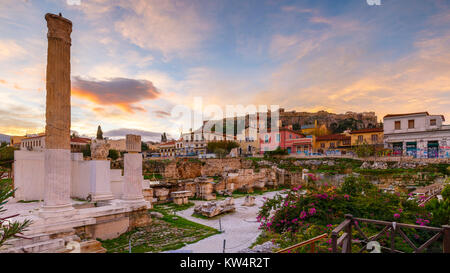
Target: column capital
column 58, row 27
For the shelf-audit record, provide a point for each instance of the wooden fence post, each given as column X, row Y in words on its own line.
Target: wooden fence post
column 446, row 243
column 348, row 230
column 334, row 242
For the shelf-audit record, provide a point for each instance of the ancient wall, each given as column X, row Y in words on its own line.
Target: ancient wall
column 187, row 169
column 214, row 167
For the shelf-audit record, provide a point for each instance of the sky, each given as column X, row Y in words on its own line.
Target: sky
column 134, row 61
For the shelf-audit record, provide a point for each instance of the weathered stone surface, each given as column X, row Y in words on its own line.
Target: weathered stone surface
column 180, row 197
column 58, row 85
column 133, row 177
column 57, row 165
column 133, row 143
column 99, row 149
column 161, row 193
column 156, row 214
column 214, row 208
column 205, row 188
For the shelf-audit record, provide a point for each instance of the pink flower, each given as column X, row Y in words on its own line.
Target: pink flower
column 396, row 215
column 312, row 211
column 303, row 215
column 346, row 196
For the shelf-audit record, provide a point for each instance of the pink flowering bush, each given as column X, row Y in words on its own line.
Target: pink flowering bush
column 324, row 207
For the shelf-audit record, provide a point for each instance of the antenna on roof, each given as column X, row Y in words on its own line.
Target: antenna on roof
column 60, row 14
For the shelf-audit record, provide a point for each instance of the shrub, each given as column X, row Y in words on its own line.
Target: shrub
column 277, row 151
column 113, row 154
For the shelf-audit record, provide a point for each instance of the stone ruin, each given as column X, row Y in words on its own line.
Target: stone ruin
column 161, row 193
column 214, row 208
column 100, row 149
column 55, row 174
column 180, row 197
column 205, row 188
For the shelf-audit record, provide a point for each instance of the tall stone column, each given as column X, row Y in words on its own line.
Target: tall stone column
column 57, row 129
column 132, row 191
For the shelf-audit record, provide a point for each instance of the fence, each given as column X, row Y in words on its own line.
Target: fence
column 345, row 240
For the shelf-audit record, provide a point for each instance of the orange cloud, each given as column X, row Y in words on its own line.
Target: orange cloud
column 120, row 92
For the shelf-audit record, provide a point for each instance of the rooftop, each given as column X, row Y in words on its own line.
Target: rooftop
column 367, row 130
column 333, row 137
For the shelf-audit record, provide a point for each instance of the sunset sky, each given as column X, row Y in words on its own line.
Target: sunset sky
column 134, row 60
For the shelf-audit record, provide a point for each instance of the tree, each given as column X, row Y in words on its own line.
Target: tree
column 446, row 192
column 227, row 146
column 277, row 151
column 99, row 133
column 87, row 150
column 164, row 137
column 356, row 185
column 364, row 150
column 144, row 146
column 3, row 144
column 7, row 154
column 9, row 229
column 220, row 152
column 113, row 154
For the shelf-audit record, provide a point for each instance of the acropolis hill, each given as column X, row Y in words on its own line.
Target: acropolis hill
column 368, row 119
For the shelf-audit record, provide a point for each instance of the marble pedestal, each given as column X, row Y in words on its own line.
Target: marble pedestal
column 57, row 165
column 100, row 180
column 132, row 187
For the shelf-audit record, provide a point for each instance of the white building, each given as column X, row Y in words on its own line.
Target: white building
column 419, row 135
column 33, row 142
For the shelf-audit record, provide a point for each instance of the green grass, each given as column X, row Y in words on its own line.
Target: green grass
column 156, row 176
column 168, row 233
column 170, row 207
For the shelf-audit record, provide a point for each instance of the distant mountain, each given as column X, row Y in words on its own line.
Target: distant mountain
column 4, row 138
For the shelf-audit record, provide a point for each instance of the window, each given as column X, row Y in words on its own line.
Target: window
column 266, row 138
column 290, row 136
column 332, row 145
column 278, row 137
column 411, row 124
column 397, row 125
column 374, row 138
column 322, row 145
column 360, row 139
column 432, row 122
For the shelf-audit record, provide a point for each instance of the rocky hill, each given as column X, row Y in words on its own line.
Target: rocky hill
column 364, row 120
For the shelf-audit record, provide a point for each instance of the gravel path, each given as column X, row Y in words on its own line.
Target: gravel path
column 241, row 228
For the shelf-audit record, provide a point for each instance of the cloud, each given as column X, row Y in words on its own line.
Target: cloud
column 122, row 132
column 19, row 121
column 121, row 92
column 162, row 114
column 170, row 27
column 9, row 49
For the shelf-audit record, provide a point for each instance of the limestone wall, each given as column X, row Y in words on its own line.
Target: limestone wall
column 214, row 167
